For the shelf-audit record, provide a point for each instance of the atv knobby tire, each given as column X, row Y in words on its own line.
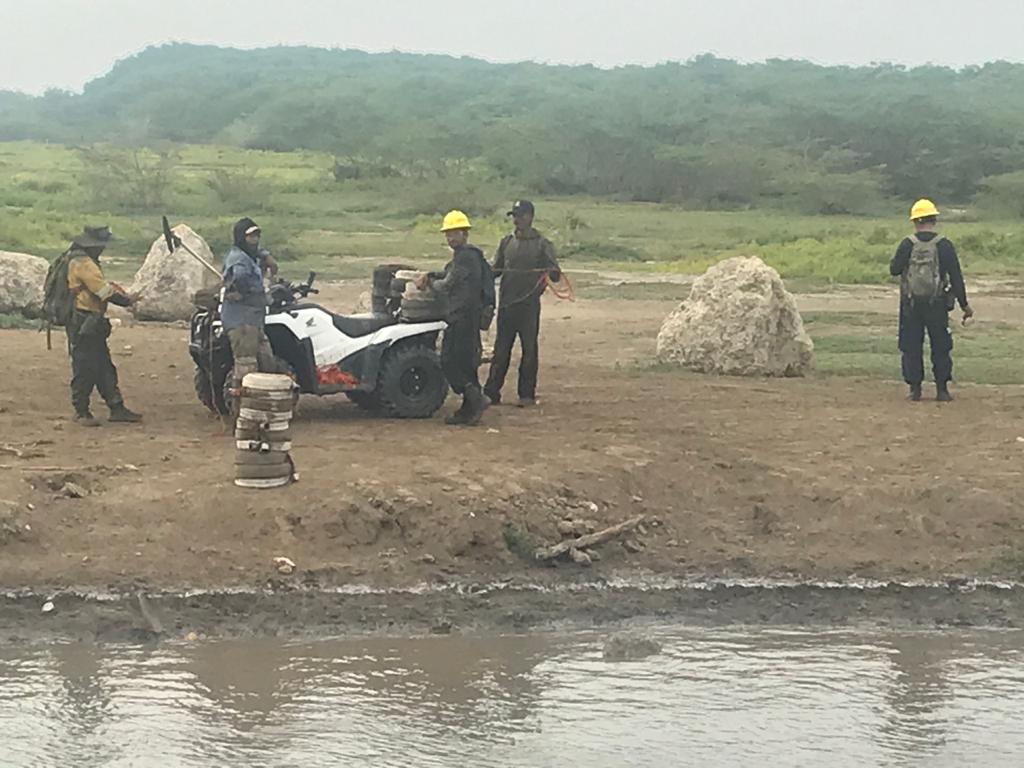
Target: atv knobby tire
column 263, row 435
column 411, row 384
column 263, row 471
column 260, row 458
column 229, row 401
column 270, row 406
column 210, row 390
column 204, row 389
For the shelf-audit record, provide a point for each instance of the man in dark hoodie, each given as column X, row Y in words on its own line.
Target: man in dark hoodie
column 462, row 283
column 525, row 261
column 244, row 309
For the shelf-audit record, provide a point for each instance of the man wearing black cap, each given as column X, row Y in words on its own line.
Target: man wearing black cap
column 525, row 261
column 89, row 329
column 244, row 308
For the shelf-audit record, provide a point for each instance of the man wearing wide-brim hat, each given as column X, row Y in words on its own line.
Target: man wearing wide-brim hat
column 89, row 329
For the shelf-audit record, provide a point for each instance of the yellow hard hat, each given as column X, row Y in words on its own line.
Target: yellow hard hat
column 922, row 209
column 455, row 220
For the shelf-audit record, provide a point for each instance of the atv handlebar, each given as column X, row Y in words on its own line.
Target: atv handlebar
column 283, row 293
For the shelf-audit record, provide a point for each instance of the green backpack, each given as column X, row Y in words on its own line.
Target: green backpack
column 58, row 300
column 922, row 280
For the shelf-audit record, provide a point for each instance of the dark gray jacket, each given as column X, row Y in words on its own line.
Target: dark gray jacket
column 462, row 282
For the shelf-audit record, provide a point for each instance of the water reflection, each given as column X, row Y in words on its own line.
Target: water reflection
column 715, row 698
column 919, row 691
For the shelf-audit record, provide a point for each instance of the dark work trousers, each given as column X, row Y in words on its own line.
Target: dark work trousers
column 522, row 320
column 91, row 366
column 915, row 319
column 460, row 355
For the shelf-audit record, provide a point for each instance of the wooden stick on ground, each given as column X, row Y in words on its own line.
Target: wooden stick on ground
column 589, row 540
column 27, row 453
column 26, row 468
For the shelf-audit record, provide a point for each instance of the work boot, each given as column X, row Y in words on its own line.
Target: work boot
column 122, row 414
column 495, row 397
column 527, row 402
column 942, row 393
column 86, row 419
column 459, row 417
column 915, row 393
column 476, row 404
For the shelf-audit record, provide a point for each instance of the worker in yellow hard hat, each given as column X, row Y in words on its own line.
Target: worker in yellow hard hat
column 462, row 283
column 931, row 282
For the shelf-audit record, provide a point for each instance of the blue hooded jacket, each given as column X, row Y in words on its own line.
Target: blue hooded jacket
column 242, row 276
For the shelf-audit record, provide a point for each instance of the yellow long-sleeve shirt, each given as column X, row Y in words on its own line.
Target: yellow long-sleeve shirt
column 86, row 281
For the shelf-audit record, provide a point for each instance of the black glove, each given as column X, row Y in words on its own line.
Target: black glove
column 555, row 275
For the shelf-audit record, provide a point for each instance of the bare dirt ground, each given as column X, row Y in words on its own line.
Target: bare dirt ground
column 816, row 478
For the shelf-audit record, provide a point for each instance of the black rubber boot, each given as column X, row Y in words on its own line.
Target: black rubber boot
column 86, row 419
column 119, row 413
column 459, row 417
column 476, row 405
column 915, row 392
column 942, row 393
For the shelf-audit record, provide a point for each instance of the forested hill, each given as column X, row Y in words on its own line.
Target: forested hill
column 710, row 132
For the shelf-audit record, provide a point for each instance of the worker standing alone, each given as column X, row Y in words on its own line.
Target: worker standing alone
column 89, row 329
column 930, row 282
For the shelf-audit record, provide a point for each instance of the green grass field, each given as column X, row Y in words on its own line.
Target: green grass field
column 341, row 228
column 864, row 344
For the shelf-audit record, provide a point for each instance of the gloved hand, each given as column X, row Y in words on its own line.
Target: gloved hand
column 968, row 314
column 555, row 275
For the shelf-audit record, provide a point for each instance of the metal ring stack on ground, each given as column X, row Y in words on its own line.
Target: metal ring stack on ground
column 263, row 435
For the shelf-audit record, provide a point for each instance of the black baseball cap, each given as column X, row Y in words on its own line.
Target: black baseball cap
column 520, row 206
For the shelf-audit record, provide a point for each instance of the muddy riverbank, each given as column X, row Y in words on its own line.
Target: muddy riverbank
column 510, row 607
column 813, row 480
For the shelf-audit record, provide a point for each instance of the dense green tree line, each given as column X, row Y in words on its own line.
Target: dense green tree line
column 710, row 133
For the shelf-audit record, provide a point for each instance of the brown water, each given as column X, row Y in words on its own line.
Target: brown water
column 729, row 697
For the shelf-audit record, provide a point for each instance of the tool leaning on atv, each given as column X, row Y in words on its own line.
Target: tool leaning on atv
column 385, row 361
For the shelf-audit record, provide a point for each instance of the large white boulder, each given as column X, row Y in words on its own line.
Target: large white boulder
column 167, row 281
column 21, row 283
column 739, row 320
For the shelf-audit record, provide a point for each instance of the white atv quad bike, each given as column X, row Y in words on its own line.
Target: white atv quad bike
column 385, row 362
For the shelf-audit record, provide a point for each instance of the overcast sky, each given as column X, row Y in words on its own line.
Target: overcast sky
column 65, row 43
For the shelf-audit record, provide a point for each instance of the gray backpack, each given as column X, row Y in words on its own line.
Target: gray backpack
column 922, row 279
